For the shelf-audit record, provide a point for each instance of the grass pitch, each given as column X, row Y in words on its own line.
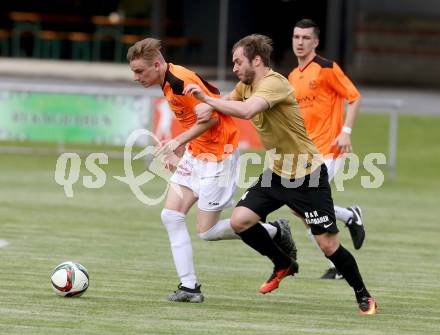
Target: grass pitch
column 125, row 249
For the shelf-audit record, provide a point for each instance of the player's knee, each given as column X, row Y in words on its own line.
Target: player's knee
column 242, row 219
column 327, row 250
column 169, row 216
column 329, row 245
column 239, row 225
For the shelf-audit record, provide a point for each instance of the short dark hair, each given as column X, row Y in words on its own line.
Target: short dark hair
column 307, row 23
column 255, row 45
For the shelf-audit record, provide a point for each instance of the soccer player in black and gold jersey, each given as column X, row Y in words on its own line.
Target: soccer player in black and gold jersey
column 298, row 178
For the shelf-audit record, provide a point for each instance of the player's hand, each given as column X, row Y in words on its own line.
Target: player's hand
column 195, row 91
column 171, row 160
column 169, row 153
column 166, row 148
column 343, row 142
column 203, row 112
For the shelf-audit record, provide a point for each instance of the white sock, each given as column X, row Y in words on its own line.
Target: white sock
column 343, row 214
column 312, row 237
column 222, row 230
column 181, row 247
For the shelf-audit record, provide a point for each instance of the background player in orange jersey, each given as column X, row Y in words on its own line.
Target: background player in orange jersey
column 321, row 89
column 207, row 172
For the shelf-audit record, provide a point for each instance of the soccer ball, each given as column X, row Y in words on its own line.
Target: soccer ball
column 69, row 279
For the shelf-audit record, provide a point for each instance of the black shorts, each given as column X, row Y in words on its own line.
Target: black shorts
column 310, row 197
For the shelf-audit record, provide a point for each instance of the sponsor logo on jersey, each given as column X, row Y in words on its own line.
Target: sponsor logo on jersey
column 306, row 100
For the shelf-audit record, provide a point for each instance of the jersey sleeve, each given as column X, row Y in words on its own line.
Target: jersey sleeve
column 273, row 90
column 338, row 81
column 236, row 94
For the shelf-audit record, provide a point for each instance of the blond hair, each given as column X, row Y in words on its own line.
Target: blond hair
column 147, row 49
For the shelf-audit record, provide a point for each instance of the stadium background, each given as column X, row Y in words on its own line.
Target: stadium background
column 65, row 87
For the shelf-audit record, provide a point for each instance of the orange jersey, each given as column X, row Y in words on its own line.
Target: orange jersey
column 320, row 89
column 212, row 141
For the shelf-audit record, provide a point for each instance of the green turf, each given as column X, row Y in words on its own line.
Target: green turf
column 125, row 248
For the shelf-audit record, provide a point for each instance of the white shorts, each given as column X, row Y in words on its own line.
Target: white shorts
column 333, row 165
column 214, row 183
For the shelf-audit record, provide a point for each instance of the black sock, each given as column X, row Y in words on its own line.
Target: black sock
column 347, row 266
column 259, row 239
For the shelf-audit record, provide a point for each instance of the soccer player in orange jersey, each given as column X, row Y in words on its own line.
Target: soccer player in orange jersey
column 321, row 89
column 207, row 172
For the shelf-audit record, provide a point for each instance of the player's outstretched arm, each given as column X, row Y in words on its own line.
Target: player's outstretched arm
column 240, row 109
column 204, row 111
column 188, row 135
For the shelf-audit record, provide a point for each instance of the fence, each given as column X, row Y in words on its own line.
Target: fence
column 392, row 107
column 135, row 106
